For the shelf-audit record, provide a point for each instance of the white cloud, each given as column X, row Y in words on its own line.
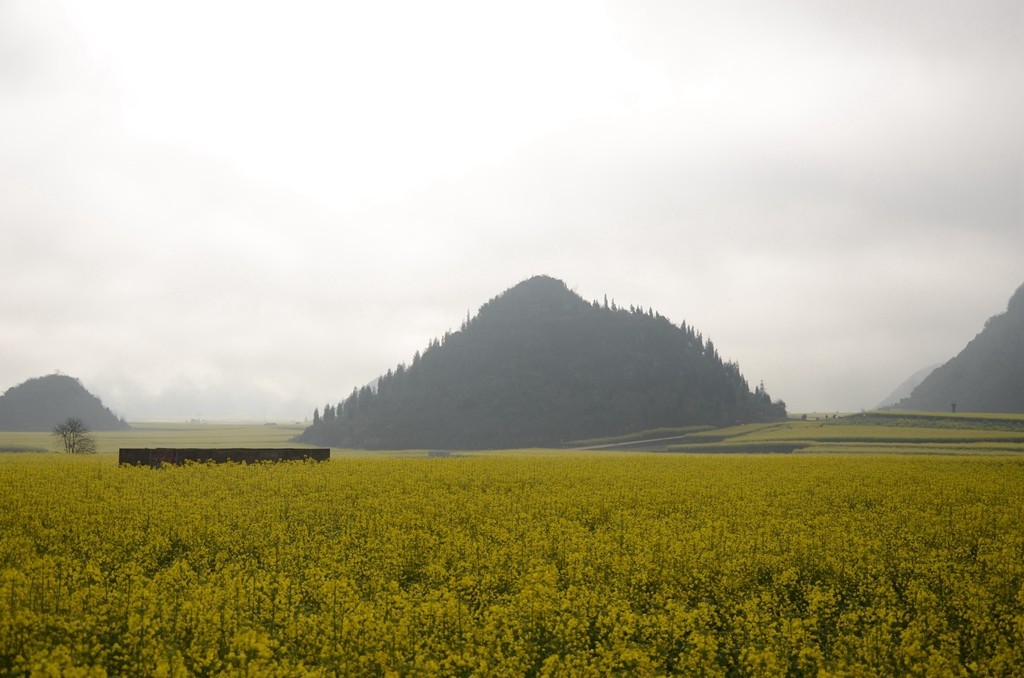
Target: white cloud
column 212, row 198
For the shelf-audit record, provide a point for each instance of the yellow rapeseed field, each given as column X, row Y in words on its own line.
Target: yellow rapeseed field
column 507, row 564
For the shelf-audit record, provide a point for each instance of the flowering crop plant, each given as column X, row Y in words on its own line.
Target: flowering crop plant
column 515, row 564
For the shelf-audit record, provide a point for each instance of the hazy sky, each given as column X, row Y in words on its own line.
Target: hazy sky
column 227, row 208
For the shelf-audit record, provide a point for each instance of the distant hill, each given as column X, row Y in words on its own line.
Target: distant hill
column 986, row 376
column 40, row 404
column 906, row 388
column 539, row 365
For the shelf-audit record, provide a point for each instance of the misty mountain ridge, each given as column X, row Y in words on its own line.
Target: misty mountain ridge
column 906, row 387
column 41, row 403
column 986, row 376
column 537, row 366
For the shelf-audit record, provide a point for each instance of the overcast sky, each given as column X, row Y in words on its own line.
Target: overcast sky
column 221, row 208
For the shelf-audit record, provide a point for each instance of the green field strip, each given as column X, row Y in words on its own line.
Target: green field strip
column 1012, row 417
column 775, row 447
column 663, row 432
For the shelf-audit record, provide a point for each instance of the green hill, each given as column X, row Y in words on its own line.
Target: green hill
column 540, row 366
column 986, row 376
column 40, row 404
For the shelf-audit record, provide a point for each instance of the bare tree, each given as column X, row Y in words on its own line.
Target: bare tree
column 75, row 437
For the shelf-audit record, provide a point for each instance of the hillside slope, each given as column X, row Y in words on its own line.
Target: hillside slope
column 40, row 404
column 906, row 388
column 986, row 376
column 539, row 366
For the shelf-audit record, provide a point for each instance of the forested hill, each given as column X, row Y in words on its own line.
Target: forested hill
column 987, row 376
column 539, row 365
column 40, row 404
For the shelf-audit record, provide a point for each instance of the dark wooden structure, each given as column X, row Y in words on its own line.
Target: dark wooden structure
column 169, row 455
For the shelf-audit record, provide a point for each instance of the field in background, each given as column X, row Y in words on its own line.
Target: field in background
column 868, row 432
column 165, row 435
